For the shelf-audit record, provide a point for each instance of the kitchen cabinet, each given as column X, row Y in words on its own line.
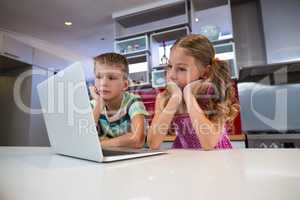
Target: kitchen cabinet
column 139, row 69
column 50, row 61
column 281, row 27
column 154, row 16
column 226, row 52
column 132, row 45
column 212, row 19
column 16, row 49
column 168, row 37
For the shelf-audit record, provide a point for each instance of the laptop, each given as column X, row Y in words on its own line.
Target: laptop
column 69, row 119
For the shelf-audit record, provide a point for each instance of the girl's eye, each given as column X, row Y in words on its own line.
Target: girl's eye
column 181, row 69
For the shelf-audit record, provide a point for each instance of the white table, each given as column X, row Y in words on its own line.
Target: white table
column 33, row 173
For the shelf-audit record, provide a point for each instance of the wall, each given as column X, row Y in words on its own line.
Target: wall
column 282, row 29
column 248, row 34
column 38, row 134
column 15, row 124
column 19, row 128
column 56, row 50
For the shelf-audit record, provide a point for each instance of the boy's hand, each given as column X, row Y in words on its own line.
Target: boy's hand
column 95, row 95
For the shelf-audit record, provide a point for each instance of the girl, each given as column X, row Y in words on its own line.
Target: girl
column 199, row 99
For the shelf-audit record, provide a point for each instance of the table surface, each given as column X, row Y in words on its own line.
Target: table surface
column 240, row 137
column 34, row 173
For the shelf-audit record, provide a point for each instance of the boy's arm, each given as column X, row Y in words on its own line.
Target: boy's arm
column 133, row 139
column 97, row 103
column 97, row 109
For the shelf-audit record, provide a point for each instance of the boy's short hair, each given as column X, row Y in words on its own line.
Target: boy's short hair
column 113, row 59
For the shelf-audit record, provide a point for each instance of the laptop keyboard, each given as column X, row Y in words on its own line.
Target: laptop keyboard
column 116, row 153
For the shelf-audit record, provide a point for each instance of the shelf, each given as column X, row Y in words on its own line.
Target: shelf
column 169, row 36
column 227, row 52
column 159, row 67
column 158, row 78
column 139, row 69
column 136, row 86
column 132, row 46
column 289, row 71
column 142, row 19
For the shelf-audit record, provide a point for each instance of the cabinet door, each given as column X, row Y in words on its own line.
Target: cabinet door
column 1, row 42
column 226, row 51
column 47, row 60
column 132, row 45
column 17, row 50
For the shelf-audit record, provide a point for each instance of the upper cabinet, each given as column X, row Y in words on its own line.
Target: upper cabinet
column 226, row 51
column 161, row 43
column 15, row 49
column 50, row 61
column 139, row 69
column 212, row 18
column 132, row 45
column 151, row 30
column 281, row 28
column 155, row 16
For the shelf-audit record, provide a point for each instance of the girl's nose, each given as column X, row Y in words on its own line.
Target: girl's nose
column 171, row 75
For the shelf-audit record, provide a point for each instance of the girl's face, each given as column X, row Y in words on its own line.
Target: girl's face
column 183, row 69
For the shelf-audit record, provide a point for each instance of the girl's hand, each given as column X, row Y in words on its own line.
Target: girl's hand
column 175, row 98
column 194, row 88
column 173, row 89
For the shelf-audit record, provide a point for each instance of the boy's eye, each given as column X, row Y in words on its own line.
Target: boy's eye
column 98, row 77
column 112, row 77
column 168, row 67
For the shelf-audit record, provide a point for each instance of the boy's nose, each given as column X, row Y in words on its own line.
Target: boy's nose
column 104, row 81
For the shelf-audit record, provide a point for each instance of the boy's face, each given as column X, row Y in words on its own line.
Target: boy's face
column 110, row 81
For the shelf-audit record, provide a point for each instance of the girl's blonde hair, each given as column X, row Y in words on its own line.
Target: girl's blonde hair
column 224, row 101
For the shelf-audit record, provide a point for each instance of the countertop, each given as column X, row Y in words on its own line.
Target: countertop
column 34, row 173
column 240, row 137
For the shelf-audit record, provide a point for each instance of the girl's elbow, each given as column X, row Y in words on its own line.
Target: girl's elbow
column 210, row 145
column 207, row 147
column 210, row 142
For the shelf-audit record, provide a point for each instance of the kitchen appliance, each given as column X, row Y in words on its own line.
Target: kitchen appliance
column 269, row 99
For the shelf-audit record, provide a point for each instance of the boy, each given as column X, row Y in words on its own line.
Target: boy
column 120, row 115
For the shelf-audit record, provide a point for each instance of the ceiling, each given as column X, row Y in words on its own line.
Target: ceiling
column 92, row 29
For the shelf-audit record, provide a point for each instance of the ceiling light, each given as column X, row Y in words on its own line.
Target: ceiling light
column 67, row 23
column 196, row 19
